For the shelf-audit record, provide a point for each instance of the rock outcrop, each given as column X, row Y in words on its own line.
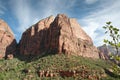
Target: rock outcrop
column 104, row 52
column 57, row 35
column 7, row 40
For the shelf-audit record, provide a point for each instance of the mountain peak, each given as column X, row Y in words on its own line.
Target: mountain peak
column 57, row 35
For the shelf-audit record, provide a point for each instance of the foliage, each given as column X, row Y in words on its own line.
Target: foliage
column 114, row 34
column 115, row 42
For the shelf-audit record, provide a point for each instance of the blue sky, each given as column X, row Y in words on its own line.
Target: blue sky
column 91, row 14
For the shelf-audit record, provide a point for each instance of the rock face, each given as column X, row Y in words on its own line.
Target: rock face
column 57, row 35
column 104, row 52
column 7, row 40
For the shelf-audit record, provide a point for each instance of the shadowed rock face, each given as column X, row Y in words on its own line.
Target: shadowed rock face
column 7, row 40
column 104, row 52
column 57, row 35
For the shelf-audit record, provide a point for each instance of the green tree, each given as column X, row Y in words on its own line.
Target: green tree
column 114, row 34
column 114, row 40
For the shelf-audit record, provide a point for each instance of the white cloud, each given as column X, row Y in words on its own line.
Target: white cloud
column 91, row 30
column 96, row 20
column 90, row 1
column 28, row 14
column 2, row 8
column 22, row 11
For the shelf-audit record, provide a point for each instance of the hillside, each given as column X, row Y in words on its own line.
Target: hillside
column 55, row 67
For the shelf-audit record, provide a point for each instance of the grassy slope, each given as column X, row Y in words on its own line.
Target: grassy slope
column 88, row 69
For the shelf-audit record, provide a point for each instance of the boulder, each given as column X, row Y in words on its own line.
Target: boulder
column 10, row 56
column 7, row 40
column 57, row 35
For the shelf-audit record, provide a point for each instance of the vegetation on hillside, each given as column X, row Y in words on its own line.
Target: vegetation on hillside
column 56, row 67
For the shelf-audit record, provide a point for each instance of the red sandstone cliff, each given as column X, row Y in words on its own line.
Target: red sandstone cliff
column 57, row 35
column 7, row 40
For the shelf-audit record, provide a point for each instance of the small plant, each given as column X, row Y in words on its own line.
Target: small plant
column 115, row 42
column 114, row 35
